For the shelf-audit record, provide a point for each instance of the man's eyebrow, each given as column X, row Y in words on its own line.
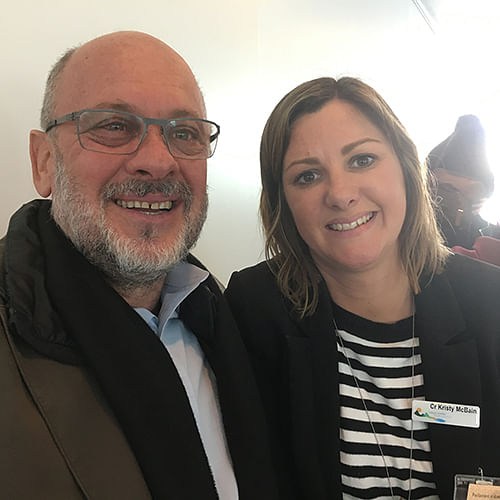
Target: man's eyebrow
column 186, row 113
column 118, row 106
column 123, row 106
column 349, row 147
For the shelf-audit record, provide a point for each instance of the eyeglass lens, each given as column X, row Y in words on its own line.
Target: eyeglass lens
column 122, row 133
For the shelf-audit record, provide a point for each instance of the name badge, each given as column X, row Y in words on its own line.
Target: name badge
column 433, row 412
column 469, row 487
column 483, row 491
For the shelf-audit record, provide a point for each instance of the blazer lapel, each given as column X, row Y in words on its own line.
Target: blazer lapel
column 315, row 400
column 69, row 401
column 451, row 374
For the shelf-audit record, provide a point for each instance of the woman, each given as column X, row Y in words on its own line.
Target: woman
column 361, row 312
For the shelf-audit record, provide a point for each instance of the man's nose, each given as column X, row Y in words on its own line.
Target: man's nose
column 153, row 157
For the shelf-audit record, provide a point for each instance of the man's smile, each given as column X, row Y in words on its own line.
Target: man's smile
column 144, row 205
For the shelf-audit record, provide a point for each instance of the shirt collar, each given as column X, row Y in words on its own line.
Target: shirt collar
column 181, row 280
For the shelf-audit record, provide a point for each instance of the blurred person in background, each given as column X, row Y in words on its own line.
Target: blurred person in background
column 463, row 183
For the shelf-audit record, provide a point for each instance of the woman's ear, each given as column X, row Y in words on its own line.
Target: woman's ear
column 43, row 160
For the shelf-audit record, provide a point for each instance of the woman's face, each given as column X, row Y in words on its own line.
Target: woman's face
column 345, row 189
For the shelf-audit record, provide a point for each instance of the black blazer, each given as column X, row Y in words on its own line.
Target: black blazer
column 295, row 360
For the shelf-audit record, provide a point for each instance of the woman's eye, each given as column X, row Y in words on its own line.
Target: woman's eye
column 362, row 161
column 307, row 177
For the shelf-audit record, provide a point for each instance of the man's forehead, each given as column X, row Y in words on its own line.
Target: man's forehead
column 120, row 105
column 130, row 67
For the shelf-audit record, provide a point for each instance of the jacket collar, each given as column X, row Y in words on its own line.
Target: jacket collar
column 30, row 308
column 313, row 381
column 452, row 375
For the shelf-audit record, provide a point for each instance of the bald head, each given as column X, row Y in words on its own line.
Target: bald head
column 114, row 61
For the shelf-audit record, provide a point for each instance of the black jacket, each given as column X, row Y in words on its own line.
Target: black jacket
column 295, row 360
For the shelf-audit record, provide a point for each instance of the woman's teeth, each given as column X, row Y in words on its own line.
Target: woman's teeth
column 351, row 225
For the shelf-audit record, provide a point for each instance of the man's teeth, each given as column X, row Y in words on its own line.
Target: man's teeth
column 351, row 225
column 144, row 205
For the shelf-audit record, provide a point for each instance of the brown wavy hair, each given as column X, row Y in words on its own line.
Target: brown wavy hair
column 420, row 244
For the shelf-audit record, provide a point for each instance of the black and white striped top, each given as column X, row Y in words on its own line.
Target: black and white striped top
column 381, row 359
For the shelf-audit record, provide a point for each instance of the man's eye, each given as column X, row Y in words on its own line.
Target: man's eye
column 362, row 161
column 111, row 132
column 307, row 177
column 108, row 127
column 114, row 126
column 185, row 134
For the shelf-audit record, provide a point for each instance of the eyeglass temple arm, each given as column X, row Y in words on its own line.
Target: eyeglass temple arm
column 216, row 134
column 63, row 119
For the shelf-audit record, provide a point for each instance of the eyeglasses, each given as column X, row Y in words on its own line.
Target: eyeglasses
column 121, row 133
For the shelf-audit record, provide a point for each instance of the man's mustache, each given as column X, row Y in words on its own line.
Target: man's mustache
column 140, row 189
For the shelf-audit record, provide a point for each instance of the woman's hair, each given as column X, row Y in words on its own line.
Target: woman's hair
column 420, row 244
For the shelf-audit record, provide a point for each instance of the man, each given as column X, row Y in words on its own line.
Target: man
column 121, row 373
column 464, row 183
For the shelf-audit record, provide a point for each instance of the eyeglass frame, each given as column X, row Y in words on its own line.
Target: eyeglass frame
column 162, row 122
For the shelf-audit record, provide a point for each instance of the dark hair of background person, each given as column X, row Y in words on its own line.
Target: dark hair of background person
column 462, row 181
column 463, row 153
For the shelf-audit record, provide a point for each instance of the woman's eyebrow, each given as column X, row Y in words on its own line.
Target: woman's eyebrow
column 349, row 147
column 345, row 150
column 312, row 160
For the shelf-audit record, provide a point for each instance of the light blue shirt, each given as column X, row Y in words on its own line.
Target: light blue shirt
column 194, row 371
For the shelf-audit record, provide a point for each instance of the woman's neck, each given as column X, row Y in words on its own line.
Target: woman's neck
column 381, row 296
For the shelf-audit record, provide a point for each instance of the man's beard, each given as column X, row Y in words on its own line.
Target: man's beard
column 127, row 262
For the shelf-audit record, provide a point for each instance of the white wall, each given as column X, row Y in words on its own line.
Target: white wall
column 246, row 55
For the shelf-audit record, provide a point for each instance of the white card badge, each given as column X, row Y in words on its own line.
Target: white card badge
column 470, row 487
column 434, row 412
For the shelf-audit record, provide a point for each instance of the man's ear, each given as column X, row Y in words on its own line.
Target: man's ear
column 43, row 162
